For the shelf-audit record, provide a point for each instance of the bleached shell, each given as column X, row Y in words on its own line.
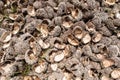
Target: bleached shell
column 43, row 44
column 43, row 28
column 1, row 17
column 73, row 41
column 117, row 15
column 16, row 28
column 67, row 76
column 78, row 32
column 66, row 51
column 3, row 78
column 59, row 46
column 115, row 73
column 41, row 67
column 76, row 14
column 86, row 38
column 13, row 16
column 6, row 36
column 30, row 57
column 105, row 77
column 27, row 78
column 110, row 2
column 8, row 69
column 90, row 27
column 107, row 62
column 59, row 57
column 6, row 45
column 67, row 23
column 96, row 37
column 54, row 67
column 118, row 34
column 31, row 10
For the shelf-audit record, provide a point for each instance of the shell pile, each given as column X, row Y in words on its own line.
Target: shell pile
column 59, row 39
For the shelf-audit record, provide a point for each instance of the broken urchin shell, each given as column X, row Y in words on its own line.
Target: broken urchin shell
column 115, row 73
column 86, row 38
column 67, row 22
column 96, row 37
column 110, row 2
column 59, row 57
column 31, row 10
column 43, row 28
column 6, row 36
column 16, row 28
column 13, row 16
column 30, row 57
column 72, row 40
column 76, row 14
column 43, row 44
column 40, row 67
column 78, row 32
